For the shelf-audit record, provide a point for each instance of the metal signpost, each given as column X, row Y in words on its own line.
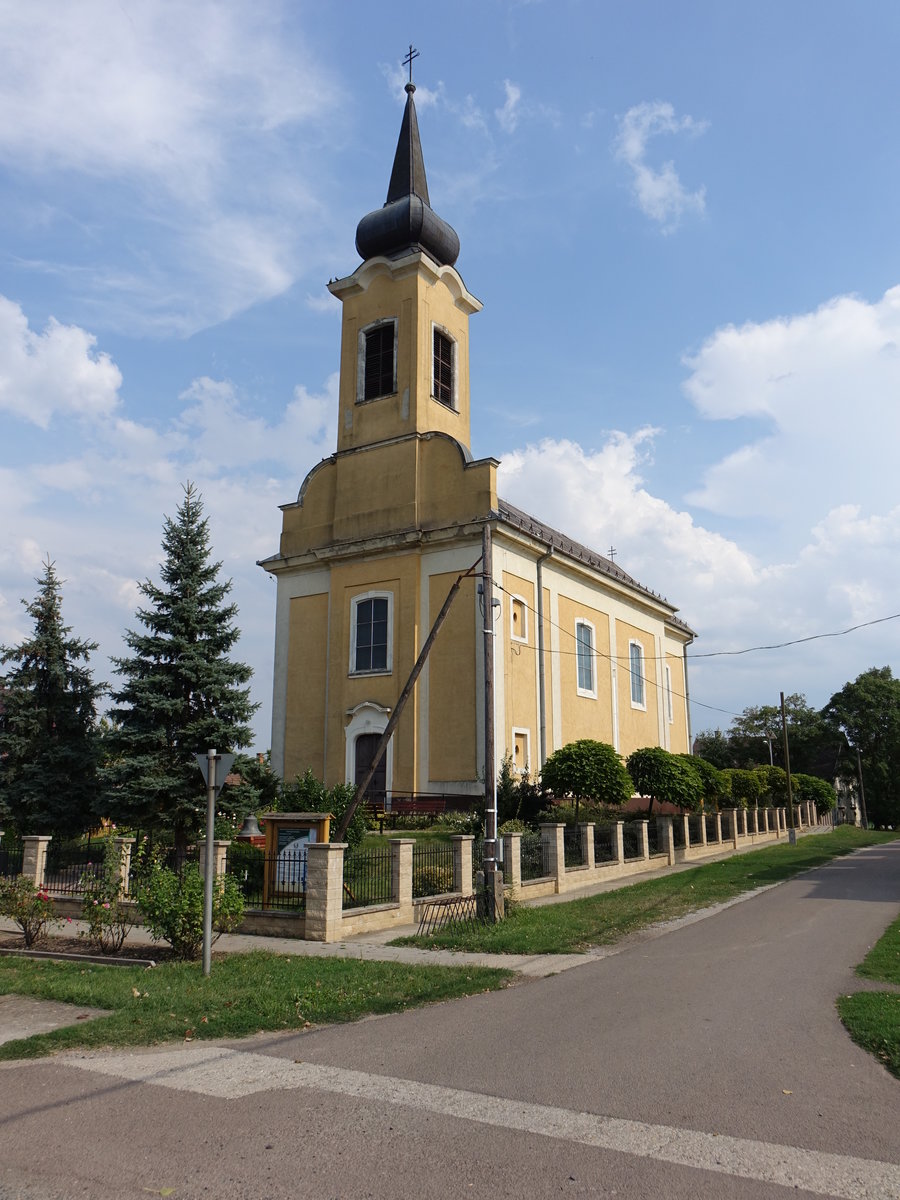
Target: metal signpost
column 213, row 766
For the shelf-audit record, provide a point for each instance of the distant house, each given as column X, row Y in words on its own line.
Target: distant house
column 383, row 527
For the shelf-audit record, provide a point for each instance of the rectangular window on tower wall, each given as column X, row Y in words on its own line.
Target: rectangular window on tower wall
column 636, row 663
column 443, row 373
column 584, row 658
column 370, row 634
column 670, row 712
column 378, row 368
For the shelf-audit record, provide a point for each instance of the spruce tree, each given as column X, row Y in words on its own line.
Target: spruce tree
column 181, row 693
column 49, row 740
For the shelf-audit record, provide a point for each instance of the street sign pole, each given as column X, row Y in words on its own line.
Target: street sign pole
column 210, row 859
column 208, row 763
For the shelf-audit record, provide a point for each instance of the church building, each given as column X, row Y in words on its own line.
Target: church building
column 383, row 527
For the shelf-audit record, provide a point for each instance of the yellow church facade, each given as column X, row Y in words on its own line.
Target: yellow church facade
column 383, row 528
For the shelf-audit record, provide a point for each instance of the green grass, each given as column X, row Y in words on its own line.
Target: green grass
column 873, row 1018
column 575, row 925
column 245, row 994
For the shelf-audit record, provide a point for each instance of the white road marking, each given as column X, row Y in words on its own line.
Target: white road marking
column 231, row 1074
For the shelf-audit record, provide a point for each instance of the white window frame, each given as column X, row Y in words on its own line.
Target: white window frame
column 590, row 692
column 642, row 702
column 516, row 731
column 670, row 710
column 354, row 605
column 453, row 406
column 361, row 360
column 513, row 601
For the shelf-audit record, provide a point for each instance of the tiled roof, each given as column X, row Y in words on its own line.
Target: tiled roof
column 575, row 550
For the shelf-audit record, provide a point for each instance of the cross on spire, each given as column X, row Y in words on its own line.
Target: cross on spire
column 408, row 61
column 611, row 553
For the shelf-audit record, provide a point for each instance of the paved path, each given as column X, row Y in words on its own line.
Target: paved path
column 705, row 1062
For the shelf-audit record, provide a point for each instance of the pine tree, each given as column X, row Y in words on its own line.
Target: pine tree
column 49, row 740
column 181, row 692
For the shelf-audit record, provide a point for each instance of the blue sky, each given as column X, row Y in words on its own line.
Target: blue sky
column 682, row 222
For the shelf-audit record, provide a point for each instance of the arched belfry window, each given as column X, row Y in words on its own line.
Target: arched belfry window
column 443, row 375
column 377, row 365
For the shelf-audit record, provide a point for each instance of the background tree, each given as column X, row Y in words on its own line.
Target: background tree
column 772, row 786
column 49, row 741
column 867, row 713
column 587, row 770
column 181, row 692
column 665, row 777
column 812, row 742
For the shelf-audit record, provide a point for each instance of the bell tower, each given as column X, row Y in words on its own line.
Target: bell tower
column 405, row 327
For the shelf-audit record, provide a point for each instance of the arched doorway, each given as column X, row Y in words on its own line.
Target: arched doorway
column 366, row 745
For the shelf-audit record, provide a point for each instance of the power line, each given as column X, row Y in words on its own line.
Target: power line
column 813, row 637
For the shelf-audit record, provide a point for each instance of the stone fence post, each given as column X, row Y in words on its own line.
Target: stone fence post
column 719, row 828
column 462, row 862
column 587, row 843
column 512, row 859
column 667, row 838
column 402, row 871
column 124, row 845
column 325, row 890
column 220, row 851
column 34, row 857
column 644, row 838
column 620, row 843
column 733, row 826
column 552, row 837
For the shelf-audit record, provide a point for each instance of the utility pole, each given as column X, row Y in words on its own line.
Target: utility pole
column 490, row 782
column 400, row 705
column 792, row 832
column 862, row 790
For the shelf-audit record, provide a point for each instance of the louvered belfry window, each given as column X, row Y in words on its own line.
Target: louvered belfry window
column 443, row 368
column 379, row 361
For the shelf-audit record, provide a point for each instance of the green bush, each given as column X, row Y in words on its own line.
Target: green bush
column 171, row 905
column 587, row 770
column 31, row 908
column 308, row 794
column 513, row 826
column 809, row 789
column 432, row 881
column 773, row 785
column 746, row 787
column 102, row 907
column 715, row 784
column 665, row 777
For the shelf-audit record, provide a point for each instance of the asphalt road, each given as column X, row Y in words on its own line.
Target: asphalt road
column 705, row 1062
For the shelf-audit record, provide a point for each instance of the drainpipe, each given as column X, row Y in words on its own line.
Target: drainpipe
column 542, row 693
column 687, row 697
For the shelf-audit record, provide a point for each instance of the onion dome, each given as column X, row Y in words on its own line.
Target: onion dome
column 407, row 221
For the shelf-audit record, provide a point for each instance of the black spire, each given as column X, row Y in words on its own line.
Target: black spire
column 407, row 221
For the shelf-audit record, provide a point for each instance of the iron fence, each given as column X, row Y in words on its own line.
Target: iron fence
column 367, row 878
column 605, row 844
column 268, row 881
column 71, row 869
column 535, row 857
column 695, row 829
column 573, row 847
column 678, row 833
column 10, row 861
column 712, row 827
column 432, row 869
column 632, row 842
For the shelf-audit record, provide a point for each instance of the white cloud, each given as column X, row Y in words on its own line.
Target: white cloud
column 191, row 116
column 659, row 192
column 508, row 115
column 826, row 387
column 842, row 574
column 58, row 371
